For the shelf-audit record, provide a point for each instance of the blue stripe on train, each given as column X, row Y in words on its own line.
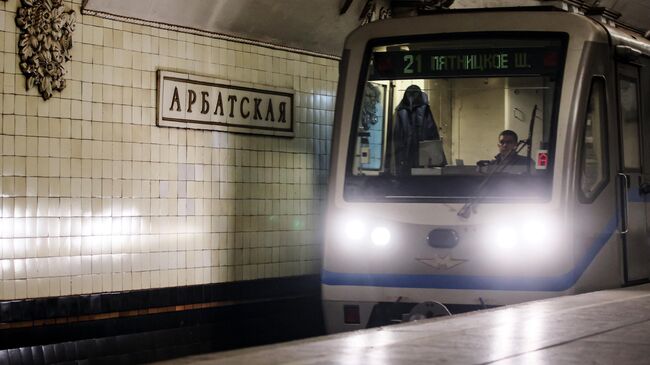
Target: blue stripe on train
column 552, row 283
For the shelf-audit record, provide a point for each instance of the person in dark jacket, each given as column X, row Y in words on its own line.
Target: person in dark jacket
column 413, row 123
column 508, row 141
column 507, row 160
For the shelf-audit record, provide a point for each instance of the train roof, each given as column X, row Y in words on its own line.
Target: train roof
column 628, row 22
column 633, row 15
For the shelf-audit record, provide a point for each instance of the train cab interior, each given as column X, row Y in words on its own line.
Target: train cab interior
column 431, row 110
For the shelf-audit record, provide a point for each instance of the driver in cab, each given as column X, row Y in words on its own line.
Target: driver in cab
column 508, row 155
column 508, row 142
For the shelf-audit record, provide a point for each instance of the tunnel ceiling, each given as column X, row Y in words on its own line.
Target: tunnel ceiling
column 635, row 13
column 311, row 25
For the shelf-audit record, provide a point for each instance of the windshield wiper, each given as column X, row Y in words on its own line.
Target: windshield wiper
column 472, row 202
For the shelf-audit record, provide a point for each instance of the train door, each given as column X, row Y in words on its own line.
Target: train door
column 634, row 140
column 644, row 101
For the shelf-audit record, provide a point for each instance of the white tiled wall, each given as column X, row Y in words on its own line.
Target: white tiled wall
column 96, row 198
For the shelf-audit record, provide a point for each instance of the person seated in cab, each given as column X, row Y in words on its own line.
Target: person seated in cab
column 508, row 142
column 508, row 155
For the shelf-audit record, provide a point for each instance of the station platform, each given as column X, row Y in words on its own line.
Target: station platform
column 605, row 327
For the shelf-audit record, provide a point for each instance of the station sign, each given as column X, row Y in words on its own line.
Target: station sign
column 464, row 62
column 199, row 102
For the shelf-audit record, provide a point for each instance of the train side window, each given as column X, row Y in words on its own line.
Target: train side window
column 593, row 161
column 629, row 101
column 371, row 132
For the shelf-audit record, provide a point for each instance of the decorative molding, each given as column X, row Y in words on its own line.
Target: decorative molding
column 44, row 44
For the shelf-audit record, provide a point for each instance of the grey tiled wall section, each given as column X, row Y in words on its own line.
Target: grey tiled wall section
column 96, row 198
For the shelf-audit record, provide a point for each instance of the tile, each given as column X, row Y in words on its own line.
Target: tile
column 94, row 152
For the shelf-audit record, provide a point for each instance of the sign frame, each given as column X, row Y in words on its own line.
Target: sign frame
column 226, row 121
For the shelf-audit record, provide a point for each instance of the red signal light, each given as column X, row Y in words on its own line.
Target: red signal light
column 382, row 63
column 551, row 59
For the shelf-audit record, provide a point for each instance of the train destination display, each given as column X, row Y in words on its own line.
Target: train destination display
column 478, row 62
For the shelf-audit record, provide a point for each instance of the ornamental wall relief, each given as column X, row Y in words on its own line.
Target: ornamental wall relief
column 44, row 44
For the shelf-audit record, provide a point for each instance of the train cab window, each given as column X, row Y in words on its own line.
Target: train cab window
column 593, row 158
column 429, row 114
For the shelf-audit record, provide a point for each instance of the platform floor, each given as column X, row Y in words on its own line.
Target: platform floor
column 606, row 327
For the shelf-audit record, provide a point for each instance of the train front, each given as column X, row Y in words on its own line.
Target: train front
column 448, row 176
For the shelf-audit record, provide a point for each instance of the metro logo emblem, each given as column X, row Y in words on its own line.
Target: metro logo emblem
column 441, row 263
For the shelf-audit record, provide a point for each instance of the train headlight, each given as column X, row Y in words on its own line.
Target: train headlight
column 380, row 236
column 502, row 236
column 535, row 232
column 505, row 237
column 541, row 234
column 355, row 229
column 532, row 233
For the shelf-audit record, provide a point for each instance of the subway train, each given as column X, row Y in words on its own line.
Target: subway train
column 434, row 207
